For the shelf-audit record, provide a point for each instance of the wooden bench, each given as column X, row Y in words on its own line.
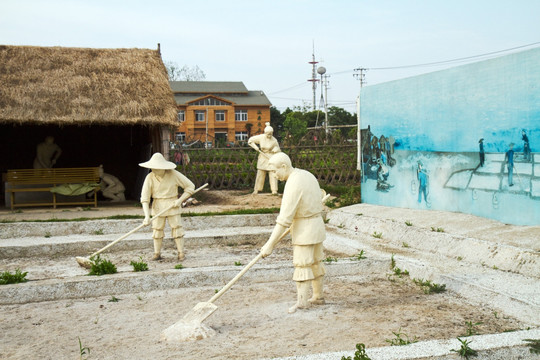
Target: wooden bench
column 43, row 180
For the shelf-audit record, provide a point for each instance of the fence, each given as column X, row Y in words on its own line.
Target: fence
column 235, row 168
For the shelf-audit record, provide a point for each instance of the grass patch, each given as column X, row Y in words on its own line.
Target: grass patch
column 139, row 265
column 439, row 229
column 401, row 339
column 114, row 299
column 8, row 278
column 430, row 288
column 178, row 266
column 330, row 259
column 101, row 266
column 359, row 256
column 377, row 235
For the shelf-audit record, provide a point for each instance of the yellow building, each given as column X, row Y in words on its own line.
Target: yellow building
column 220, row 113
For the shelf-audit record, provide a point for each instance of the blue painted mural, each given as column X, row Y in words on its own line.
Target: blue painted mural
column 464, row 139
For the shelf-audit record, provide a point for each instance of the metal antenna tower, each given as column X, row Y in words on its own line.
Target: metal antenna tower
column 314, row 76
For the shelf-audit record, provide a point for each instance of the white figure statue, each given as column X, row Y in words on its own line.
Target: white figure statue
column 111, row 187
column 161, row 187
column 267, row 146
column 47, row 153
column 301, row 209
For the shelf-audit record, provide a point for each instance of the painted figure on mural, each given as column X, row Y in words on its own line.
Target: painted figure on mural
column 382, row 176
column 47, row 153
column 526, row 146
column 423, row 178
column 160, row 187
column 482, row 154
column 267, row 145
column 509, row 159
column 301, row 210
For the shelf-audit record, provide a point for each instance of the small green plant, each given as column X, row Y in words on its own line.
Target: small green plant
column 101, row 266
column 392, row 262
column 472, row 329
column 98, row 232
column 139, row 265
column 8, row 278
column 429, row 287
column 399, row 273
column 83, row 350
column 114, row 299
column 401, row 339
column 439, row 229
column 377, row 235
column 359, row 256
column 330, row 259
column 341, row 226
column 465, row 350
column 359, row 354
column 459, row 258
column 237, row 263
column 48, row 234
column 178, row 266
column 404, row 244
column 534, row 345
column 408, row 223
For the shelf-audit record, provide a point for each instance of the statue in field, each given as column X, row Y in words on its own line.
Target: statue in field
column 47, row 153
column 160, row 188
column 301, row 211
column 267, row 145
column 111, row 187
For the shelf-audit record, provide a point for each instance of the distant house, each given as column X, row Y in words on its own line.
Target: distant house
column 218, row 112
column 103, row 106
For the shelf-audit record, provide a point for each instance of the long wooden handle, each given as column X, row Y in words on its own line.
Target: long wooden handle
column 241, row 273
column 142, row 225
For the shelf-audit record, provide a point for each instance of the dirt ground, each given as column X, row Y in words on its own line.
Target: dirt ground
column 251, row 321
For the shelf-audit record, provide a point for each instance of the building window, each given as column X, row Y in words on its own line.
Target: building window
column 240, row 115
column 180, row 137
column 220, row 115
column 241, row 136
column 209, row 101
column 200, row 115
column 181, row 115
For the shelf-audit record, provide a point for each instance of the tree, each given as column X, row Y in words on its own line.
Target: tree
column 295, row 125
column 276, row 121
column 339, row 116
column 185, row 73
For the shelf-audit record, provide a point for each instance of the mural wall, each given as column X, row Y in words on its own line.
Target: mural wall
column 465, row 139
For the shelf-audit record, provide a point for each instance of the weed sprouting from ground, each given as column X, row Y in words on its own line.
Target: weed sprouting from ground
column 237, row 263
column 83, row 350
column 534, row 345
column 114, row 299
column 359, row 354
column 359, row 256
column 101, row 266
column 139, row 265
column 465, row 350
column 472, row 329
column 377, row 235
column 8, row 278
column 429, row 287
column 439, row 229
column 330, row 259
column 408, row 223
column 401, row 339
column 98, row 232
column 178, row 266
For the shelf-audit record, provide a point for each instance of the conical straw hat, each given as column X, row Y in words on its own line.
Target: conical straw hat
column 157, row 161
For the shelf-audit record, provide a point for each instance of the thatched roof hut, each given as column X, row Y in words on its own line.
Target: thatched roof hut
column 103, row 106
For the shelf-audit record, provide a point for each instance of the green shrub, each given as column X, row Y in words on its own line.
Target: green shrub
column 139, row 265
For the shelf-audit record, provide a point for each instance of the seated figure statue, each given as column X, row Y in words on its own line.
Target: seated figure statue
column 111, row 187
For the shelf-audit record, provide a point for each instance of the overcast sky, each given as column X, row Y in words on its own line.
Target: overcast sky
column 268, row 44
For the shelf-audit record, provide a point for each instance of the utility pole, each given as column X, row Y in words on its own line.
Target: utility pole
column 314, row 79
column 360, row 75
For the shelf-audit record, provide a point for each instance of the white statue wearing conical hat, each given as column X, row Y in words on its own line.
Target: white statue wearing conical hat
column 160, row 187
column 267, row 145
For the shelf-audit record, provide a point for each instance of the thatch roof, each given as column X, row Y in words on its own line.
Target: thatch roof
column 81, row 86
